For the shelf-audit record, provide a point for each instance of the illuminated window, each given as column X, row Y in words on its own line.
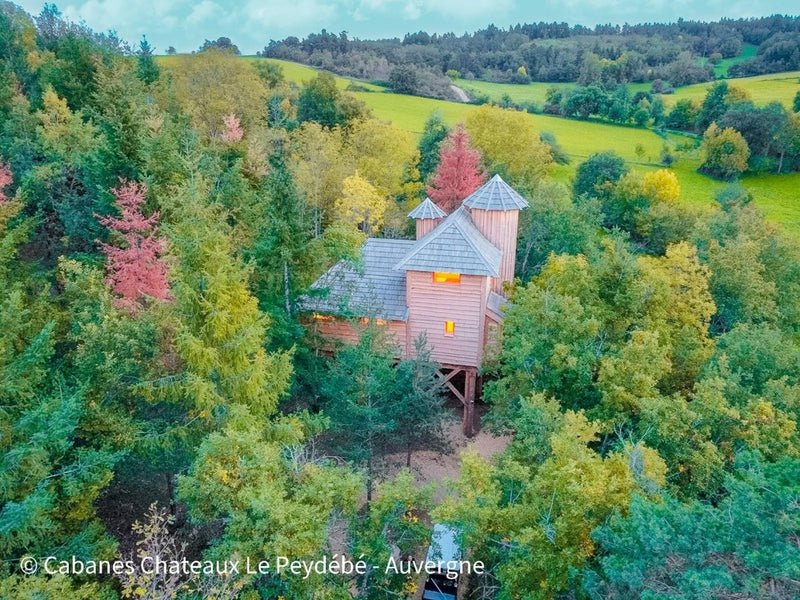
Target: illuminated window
column 447, row 277
column 366, row 320
column 449, row 327
column 320, row 317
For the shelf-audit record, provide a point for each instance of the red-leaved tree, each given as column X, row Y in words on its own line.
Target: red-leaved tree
column 459, row 172
column 233, row 129
column 6, row 179
column 136, row 271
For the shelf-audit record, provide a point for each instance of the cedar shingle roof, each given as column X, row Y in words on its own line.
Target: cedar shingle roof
column 495, row 194
column 427, row 210
column 455, row 246
column 370, row 289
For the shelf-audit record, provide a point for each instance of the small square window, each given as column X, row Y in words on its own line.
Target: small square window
column 449, row 327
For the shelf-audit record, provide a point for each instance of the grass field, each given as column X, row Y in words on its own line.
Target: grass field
column 775, row 87
column 533, row 92
column 300, row 73
column 721, row 68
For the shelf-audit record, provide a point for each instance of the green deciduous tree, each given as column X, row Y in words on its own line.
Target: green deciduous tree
column 275, row 494
column 725, row 152
column 529, row 518
column 598, row 173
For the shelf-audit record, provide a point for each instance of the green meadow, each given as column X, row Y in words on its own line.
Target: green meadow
column 763, row 89
column 721, row 68
column 777, row 195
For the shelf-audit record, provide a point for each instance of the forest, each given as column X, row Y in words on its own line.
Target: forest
column 680, row 53
column 162, row 392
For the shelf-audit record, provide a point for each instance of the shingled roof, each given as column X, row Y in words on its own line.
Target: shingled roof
column 455, row 246
column 495, row 194
column 370, row 289
column 427, row 210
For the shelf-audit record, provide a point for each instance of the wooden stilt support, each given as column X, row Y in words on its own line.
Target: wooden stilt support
column 465, row 395
column 469, row 402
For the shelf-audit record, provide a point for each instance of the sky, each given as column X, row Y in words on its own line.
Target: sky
column 186, row 24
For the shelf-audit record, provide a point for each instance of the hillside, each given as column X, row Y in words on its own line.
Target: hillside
column 681, row 52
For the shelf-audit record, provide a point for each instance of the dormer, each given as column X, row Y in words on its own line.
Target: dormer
column 428, row 216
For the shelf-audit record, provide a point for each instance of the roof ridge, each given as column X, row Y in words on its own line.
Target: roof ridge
column 470, row 240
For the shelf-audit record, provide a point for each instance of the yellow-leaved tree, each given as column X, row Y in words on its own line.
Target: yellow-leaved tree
column 214, row 83
column 510, row 144
column 381, row 153
column 318, row 169
column 725, row 152
column 361, row 204
column 662, row 186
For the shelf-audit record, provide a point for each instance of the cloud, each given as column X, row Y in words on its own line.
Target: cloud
column 251, row 23
column 204, row 11
column 413, row 9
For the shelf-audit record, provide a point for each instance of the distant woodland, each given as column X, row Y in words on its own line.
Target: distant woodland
column 680, row 53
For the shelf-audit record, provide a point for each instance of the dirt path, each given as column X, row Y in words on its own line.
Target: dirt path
column 462, row 95
column 429, row 466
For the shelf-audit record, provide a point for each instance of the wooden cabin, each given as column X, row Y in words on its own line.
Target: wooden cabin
column 447, row 283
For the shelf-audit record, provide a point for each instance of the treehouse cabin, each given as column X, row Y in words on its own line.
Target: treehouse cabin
column 447, row 283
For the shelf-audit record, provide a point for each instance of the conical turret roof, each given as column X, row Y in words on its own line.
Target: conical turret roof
column 496, row 194
column 427, row 210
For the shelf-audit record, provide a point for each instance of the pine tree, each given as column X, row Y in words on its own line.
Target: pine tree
column 459, row 172
column 136, row 271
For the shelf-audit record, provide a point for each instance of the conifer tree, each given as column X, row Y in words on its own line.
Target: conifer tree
column 136, row 271
column 459, row 172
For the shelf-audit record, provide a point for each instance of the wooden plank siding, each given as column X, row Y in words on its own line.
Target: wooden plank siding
column 348, row 332
column 425, row 226
column 500, row 228
column 431, row 304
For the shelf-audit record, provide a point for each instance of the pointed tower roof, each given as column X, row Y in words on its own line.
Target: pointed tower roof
column 455, row 246
column 427, row 210
column 495, row 194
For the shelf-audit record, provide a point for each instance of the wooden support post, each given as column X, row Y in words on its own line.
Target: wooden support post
column 466, row 396
column 470, row 375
